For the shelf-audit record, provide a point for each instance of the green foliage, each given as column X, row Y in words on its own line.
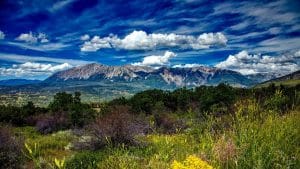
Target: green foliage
column 83, row 160
column 145, row 101
column 183, row 98
column 61, row 102
column 271, row 143
column 79, row 113
column 20, row 116
column 216, row 100
column 278, row 102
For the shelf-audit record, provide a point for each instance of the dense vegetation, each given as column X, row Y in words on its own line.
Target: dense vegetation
column 204, row 127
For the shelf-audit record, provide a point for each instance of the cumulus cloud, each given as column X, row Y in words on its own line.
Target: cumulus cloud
column 43, row 38
column 156, row 60
column 32, row 69
column 95, row 44
column 140, row 40
column 33, row 38
column 2, row 35
column 85, row 37
column 43, row 67
column 246, row 63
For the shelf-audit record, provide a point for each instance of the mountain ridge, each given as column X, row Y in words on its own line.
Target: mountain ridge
column 178, row 76
column 96, row 81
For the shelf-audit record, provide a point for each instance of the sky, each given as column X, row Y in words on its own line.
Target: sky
column 39, row 38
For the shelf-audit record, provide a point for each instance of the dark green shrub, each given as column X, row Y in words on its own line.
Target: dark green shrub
column 144, row 102
column 61, row 102
column 81, row 114
column 219, row 99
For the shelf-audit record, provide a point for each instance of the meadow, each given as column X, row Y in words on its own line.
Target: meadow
column 201, row 128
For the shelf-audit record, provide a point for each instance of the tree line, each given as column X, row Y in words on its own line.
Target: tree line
column 67, row 111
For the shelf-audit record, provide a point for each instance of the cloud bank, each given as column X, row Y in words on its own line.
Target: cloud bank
column 140, row 40
column 246, row 63
column 32, row 69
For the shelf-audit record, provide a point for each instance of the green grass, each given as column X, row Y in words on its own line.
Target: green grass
column 292, row 82
column 49, row 146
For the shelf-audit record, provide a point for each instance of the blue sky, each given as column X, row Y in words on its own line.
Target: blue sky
column 38, row 38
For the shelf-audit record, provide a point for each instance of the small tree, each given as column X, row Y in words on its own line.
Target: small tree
column 61, row 102
column 78, row 113
column 81, row 114
column 29, row 109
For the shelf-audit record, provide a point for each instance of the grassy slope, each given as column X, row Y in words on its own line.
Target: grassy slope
column 266, row 140
column 292, row 82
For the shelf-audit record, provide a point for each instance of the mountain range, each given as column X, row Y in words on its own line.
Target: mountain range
column 17, row 82
column 113, row 81
column 168, row 77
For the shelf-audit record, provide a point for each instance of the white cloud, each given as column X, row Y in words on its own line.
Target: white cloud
column 258, row 13
column 95, row 44
column 189, row 65
column 59, row 5
column 32, row 69
column 43, row 38
column 24, row 58
column 85, row 37
column 44, row 67
column 156, row 60
column 32, row 38
column 27, row 37
column 2, row 35
column 42, row 46
column 246, row 63
column 140, row 40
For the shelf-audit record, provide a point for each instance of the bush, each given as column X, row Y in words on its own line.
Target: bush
column 20, row 116
column 116, row 127
column 168, row 123
column 81, row 114
column 217, row 100
column 10, row 149
column 50, row 123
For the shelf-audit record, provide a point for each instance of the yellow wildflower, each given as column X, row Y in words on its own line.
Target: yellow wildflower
column 191, row 162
